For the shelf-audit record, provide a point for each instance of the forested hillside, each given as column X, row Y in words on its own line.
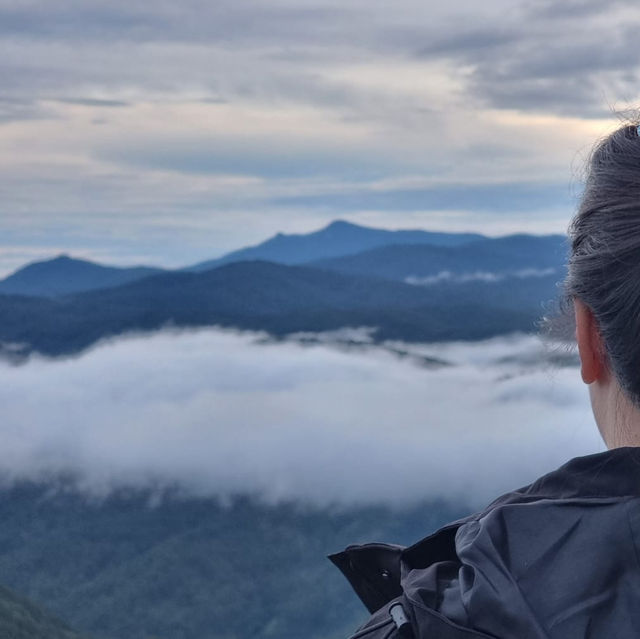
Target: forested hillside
column 514, row 255
column 63, row 275
column 277, row 299
column 21, row 619
column 142, row 564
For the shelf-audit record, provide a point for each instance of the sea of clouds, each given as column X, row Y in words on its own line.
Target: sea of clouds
column 333, row 420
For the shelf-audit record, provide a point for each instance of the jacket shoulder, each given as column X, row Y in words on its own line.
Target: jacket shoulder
column 516, row 567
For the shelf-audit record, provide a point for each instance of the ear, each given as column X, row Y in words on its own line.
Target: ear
column 590, row 345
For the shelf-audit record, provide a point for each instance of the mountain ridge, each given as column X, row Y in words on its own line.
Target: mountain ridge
column 336, row 246
column 64, row 275
column 494, row 255
column 275, row 298
column 337, row 238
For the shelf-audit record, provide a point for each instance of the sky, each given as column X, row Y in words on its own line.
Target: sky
column 168, row 133
column 220, row 413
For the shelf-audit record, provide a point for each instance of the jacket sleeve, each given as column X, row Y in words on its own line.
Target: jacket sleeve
column 378, row 572
column 401, row 618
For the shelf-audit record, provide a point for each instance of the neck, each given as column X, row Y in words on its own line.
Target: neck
column 617, row 417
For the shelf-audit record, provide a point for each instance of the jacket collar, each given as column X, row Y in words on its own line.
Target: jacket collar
column 613, row 473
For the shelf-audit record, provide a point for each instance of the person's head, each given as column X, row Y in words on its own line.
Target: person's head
column 602, row 287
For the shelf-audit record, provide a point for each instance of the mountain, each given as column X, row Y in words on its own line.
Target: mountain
column 277, row 299
column 139, row 564
column 514, row 255
column 21, row 619
column 336, row 239
column 64, row 275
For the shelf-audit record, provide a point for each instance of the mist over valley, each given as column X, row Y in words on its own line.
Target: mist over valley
column 168, row 431
column 223, row 413
column 145, row 478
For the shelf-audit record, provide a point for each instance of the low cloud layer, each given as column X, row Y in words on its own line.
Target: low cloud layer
column 220, row 413
column 478, row 276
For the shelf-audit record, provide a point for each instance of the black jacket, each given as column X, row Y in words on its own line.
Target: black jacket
column 557, row 559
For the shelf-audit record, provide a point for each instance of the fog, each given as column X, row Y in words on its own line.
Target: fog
column 220, row 413
column 478, row 276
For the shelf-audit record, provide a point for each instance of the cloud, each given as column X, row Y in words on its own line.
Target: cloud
column 289, row 156
column 74, row 20
column 15, row 110
column 112, row 110
column 574, row 8
column 486, row 197
column 477, row 276
column 221, row 413
column 499, row 42
column 95, row 102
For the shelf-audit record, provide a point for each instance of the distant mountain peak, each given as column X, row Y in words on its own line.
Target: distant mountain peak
column 63, row 257
column 64, row 274
column 338, row 224
column 337, row 239
column 342, row 227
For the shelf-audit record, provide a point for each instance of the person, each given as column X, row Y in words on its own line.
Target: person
column 558, row 559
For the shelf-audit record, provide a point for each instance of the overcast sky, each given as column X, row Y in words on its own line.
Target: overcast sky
column 170, row 132
column 220, row 414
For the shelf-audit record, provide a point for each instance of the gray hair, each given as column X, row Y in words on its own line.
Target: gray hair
column 603, row 268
